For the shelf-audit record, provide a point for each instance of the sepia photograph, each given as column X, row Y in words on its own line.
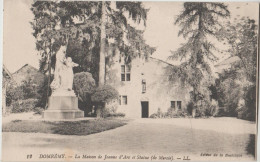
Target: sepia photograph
column 129, row 81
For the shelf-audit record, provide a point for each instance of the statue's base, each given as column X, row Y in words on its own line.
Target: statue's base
column 63, row 114
column 63, row 107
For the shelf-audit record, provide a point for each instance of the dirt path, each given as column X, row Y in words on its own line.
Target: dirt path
column 140, row 137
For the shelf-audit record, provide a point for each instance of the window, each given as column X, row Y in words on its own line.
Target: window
column 122, row 100
column 125, row 73
column 173, row 104
column 179, row 104
column 143, row 86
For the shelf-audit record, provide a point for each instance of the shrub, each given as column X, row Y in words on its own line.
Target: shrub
column 30, row 89
column 247, row 109
column 204, row 109
column 171, row 113
column 14, row 93
column 158, row 114
column 104, row 94
column 27, row 90
column 212, row 110
column 24, row 105
column 229, row 92
column 154, row 115
column 102, row 97
column 112, row 106
column 84, row 86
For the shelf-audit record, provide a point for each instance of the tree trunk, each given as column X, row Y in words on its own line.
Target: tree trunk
column 49, row 76
column 195, row 106
column 98, row 111
column 102, row 67
column 193, row 112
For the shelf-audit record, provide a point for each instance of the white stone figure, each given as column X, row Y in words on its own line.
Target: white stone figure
column 63, row 75
column 60, row 64
column 67, row 81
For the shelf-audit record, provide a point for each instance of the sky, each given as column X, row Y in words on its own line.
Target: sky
column 160, row 31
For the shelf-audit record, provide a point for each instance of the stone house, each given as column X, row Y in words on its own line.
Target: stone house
column 26, row 73
column 143, row 87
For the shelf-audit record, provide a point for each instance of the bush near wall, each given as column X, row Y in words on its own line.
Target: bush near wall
column 204, row 110
column 171, row 113
column 25, row 105
column 207, row 109
column 102, row 96
column 25, row 96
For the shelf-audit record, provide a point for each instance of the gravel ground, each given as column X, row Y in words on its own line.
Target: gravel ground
column 169, row 137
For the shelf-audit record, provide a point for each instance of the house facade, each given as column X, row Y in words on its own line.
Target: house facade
column 144, row 88
column 29, row 73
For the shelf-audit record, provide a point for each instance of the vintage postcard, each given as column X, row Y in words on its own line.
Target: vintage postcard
column 129, row 81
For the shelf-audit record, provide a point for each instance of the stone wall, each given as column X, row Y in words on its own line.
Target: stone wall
column 159, row 92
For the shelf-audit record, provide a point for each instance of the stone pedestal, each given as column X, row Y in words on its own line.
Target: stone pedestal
column 63, row 107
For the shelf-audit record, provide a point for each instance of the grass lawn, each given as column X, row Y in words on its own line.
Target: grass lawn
column 83, row 127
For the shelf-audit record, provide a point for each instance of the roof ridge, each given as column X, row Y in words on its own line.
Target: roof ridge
column 7, row 71
column 23, row 67
column 162, row 61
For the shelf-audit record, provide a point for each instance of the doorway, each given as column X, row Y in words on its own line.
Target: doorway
column 145, row 109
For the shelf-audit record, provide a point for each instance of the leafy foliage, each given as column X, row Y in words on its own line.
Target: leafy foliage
column 171, row 113
column 78, row 24
column 104, row 94
column 43, row 98
column 236, row 87
column 103, row 97
column 84, row 86
column 241, row 37
column 26, row 90
column 198, row 22
column 248, row 112
column 25, row 105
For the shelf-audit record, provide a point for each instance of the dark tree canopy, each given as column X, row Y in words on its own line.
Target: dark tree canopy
column 198, row 22
column 236, row 86
column 241, row 36
column 78, row 24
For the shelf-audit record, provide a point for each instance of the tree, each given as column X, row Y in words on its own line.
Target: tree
column 52, row 28
column 102, row 66
column 198, row 22
column 90, row 24
column 115, row 25
column 241, row 36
